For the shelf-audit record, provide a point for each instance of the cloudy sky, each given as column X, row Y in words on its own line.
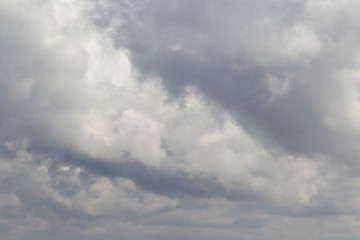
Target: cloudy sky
column 179, row 119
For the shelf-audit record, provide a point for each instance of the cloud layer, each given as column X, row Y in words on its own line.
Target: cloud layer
column 179, row 119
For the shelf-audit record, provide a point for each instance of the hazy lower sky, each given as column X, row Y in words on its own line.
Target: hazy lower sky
column 179, row 119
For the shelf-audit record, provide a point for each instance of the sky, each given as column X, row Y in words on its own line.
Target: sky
column 179, row 119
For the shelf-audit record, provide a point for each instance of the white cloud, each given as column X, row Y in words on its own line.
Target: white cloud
column 89, row 135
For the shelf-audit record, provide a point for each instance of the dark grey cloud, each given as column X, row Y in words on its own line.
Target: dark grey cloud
column 174, row 184
column 229, row 49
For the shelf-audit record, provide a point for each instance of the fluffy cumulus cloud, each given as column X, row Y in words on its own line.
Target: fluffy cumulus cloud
column 171, row 119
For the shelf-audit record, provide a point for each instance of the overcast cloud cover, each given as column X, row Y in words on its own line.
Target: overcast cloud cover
column 179, row 119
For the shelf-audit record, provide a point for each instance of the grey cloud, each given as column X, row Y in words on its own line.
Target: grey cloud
column 227, row 50
column 174, row 184
column 179, row 119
